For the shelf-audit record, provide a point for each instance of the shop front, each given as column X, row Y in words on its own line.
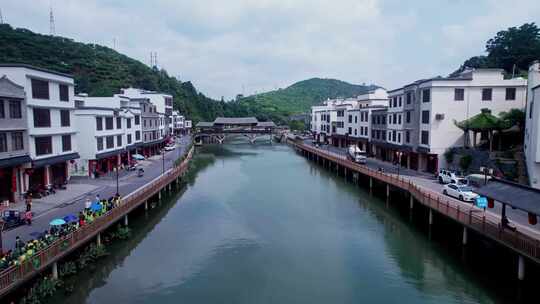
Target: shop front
column 11, row 178
column 47, row 172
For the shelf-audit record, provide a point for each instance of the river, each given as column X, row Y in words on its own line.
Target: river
column 261, row 224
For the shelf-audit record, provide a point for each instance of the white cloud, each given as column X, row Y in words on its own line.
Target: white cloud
column 224, row 45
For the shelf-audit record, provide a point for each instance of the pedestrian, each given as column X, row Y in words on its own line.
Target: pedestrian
column 87, row 204
column 18, row 243
column 98, row 198
column 28, row 217
column 28, row 202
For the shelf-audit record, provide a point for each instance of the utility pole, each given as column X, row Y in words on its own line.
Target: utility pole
column 1, row 17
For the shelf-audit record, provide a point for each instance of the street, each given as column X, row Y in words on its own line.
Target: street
column 106, row 187
column 430, row 182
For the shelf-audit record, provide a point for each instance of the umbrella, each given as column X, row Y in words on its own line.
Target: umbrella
column 95, row 206
column 70, row 218
column 137, row 157
column 57, row 222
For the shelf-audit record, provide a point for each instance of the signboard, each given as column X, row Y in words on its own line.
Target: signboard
column 481, row 202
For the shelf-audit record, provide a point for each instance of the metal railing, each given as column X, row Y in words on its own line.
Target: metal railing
column 17, row 274
column 467, row 215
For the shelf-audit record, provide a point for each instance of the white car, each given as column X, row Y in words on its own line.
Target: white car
column 451, row 177
column 463, row 193
column 169, row 148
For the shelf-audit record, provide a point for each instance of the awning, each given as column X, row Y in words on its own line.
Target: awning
column 55, row 159
column 134, row 146
column 513, row 194
column 155, row 142
column 14, row 161
column 109, row 153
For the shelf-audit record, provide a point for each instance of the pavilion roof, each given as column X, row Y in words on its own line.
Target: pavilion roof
column 236, row 120
column 482, row 122
column 516, row 195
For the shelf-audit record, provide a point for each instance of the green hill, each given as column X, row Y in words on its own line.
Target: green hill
column 299, row 97
column 101, row 71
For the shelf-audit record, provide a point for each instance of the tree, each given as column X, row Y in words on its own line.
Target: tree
column 514, row 117
column 515, row 46
column 465, row 162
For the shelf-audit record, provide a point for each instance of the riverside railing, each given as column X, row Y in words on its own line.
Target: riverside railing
column 471, row 217
column 17, row 274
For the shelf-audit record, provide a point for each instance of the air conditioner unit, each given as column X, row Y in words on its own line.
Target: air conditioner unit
column 439, row 116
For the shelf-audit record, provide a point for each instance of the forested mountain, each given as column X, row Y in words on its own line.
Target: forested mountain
column 513, row 50
column 102, row 71
column 300, row 96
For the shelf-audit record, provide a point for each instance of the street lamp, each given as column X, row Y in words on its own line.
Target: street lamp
column 163, row 158
column 398, row 153
column 117, row 190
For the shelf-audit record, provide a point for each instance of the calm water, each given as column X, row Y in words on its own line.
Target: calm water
column 263, row 225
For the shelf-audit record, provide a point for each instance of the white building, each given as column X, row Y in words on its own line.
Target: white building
column 163, row 103
column 110, row 134
column 52, row 143
column 532, row 126
column 445, row 100
column 177, row 123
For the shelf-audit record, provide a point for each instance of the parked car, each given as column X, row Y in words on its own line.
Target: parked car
column 357, row 155
column 451, row 177
column 137, row 157
column 12, row 219
column 463, row 193
column 169, row 148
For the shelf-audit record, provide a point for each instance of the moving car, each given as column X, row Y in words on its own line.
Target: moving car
column 137, row 157
column 357, row 155
column 451, row 177
column 169, row 148
column 463, row 192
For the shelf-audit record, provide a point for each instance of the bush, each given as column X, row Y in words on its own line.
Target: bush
column 465, row 162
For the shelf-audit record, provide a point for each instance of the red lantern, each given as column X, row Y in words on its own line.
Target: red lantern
column 72, row 161
column 532, row 219
column 29, row 171
column 491, row 203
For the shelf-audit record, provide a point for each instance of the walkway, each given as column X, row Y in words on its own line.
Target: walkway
column 105, row 187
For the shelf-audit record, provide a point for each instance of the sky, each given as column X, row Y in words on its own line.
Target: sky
column 247, row 46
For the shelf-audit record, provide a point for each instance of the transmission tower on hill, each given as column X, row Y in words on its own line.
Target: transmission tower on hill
column 1, row 17
column 52, row 30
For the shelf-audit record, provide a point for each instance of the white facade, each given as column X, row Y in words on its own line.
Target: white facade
column 163, row 103
column 52, row 135
column 532, row 126
column 444, row 101
column 395, row 118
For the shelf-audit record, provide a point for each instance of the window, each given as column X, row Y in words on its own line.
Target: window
column 394, row 135
column 425, row 117
column 17, row 141
column 486, row 94
column 400, row 101
column 355, row 132
column 144, row 123
column 408, row 117
column 15, row 109
column 383, row 120
column 399, row 137
column 129, row 139
column 118, row 122
column 100, row 143
column 395, row 118
column 407, row 136
column 43, row 145
column 128, row 123
column 3, row 142
column 531, row 109
column 510, row 93
column 40, row 89
column 137, row 135
column 108, row 123
column 64, row 92
column 118, row 140
column 350, row 118
column 137, row 120
column 2, row 111
column 66, row 143
column 399, row 119
column 340, row 113
column 426, row 95
column 425, row 138
column 408, row 97
column 395, row 102
column 42, row 118
column 350, row 131
column 356, row 118
column 99, row 123
column 64, row 118
column 459, row 94
column 109, row 140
